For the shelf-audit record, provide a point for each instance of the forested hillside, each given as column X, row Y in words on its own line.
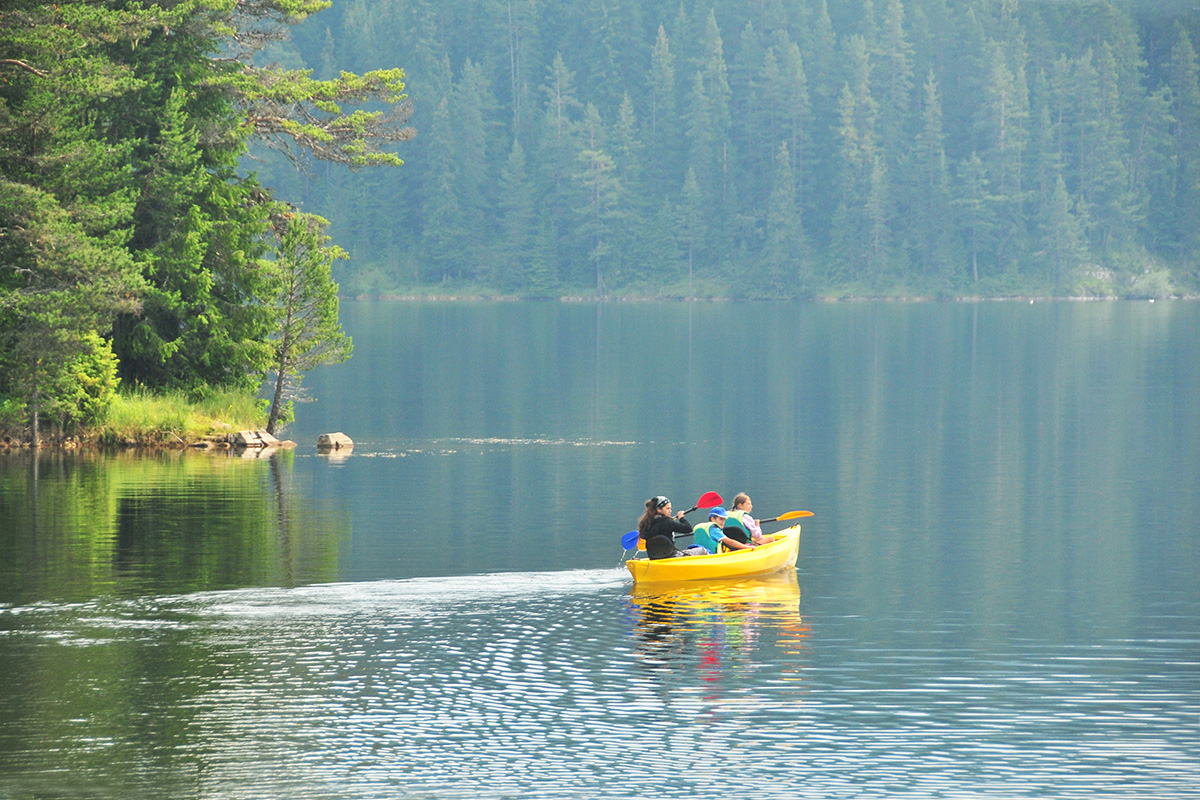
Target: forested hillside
column 771, row 148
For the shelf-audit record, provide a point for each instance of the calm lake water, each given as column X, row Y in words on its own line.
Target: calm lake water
column 998, row 595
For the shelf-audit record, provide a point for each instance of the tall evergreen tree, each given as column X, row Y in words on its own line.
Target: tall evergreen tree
column 516, row 209
column 444, row 234
column 785, row 257
column 976, row 218
column 1116, row 211
column 634, row 225
column 599, row 209
column 663, row 126
column 473, row 109
column 305, row 303
column 931, row 189
column 861, row 182
column 1002, row 127
column 691, row 224
column 1183, row 76
column 1060, row 235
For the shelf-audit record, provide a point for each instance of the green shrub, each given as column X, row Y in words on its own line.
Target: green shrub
column 95, row 375
column 1151, row 284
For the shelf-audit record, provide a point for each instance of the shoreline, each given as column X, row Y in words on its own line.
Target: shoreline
column 156, row 441
column 476, row 297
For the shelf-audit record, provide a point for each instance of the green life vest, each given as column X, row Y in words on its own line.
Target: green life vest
column 735, row 528
column 708, row 535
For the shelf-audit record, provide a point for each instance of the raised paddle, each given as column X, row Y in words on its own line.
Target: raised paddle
column 788, row 515
column 707, row 500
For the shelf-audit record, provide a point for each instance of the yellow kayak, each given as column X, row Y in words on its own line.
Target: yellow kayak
column 778, row 591
column 779, row 554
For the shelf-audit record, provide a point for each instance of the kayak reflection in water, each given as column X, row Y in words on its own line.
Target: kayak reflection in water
column 719, row 626
column 659, row 528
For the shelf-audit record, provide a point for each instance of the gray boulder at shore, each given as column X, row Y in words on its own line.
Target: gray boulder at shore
column 259, row 438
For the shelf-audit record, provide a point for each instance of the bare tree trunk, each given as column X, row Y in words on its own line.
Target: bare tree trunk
column 277, row 400
column 36, row 443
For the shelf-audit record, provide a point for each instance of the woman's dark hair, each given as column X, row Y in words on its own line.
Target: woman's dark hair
column 652, row 507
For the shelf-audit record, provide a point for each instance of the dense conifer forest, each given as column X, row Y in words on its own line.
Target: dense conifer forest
column 772, row 148
column 180, row 180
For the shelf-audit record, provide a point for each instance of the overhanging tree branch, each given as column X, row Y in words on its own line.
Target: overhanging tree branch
column 14, row 62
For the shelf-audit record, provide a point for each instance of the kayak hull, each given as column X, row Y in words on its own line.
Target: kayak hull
column 762, row 560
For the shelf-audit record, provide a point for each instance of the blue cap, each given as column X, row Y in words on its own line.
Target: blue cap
column 717, row 511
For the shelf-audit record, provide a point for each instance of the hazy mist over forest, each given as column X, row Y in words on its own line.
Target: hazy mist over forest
column 770, row 148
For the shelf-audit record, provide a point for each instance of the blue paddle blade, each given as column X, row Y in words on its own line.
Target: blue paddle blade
column 629, row 540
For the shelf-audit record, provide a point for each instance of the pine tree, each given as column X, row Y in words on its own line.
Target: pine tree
column 1115, row 207
column 662, row 138
column 599, row 209
column 931, row 188
column 1152, row 167
column 785, row 257
column 543, row 263
column 855, row 237
column 632, row 196
column 701, row 137
column 557, row 160
column 1183, row 76
column 443, row 254
column 976, row 221
column 893, row 66
column 1062, row 245
column 472, row 109
column 1002, row 128
column 516, row 209
column 309, row 333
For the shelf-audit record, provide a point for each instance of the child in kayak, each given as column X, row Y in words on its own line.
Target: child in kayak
column 711, row 536
column 743, row 527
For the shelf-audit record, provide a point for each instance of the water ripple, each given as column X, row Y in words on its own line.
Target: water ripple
column 573, row 684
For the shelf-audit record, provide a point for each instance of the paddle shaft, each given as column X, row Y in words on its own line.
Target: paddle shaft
column 788, row 515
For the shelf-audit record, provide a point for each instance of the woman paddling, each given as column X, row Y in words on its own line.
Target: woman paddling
column 658, row 528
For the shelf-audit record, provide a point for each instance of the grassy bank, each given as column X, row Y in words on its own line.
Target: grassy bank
column 156, row 418
column 147, row 419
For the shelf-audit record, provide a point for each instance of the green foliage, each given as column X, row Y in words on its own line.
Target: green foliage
column 128, row 228
column 91, row 382
column 13, row 414
column 160, row 415
column 305, row 306
column 1152, row 284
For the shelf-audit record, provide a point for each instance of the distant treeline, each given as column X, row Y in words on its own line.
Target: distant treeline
column 774, row 147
